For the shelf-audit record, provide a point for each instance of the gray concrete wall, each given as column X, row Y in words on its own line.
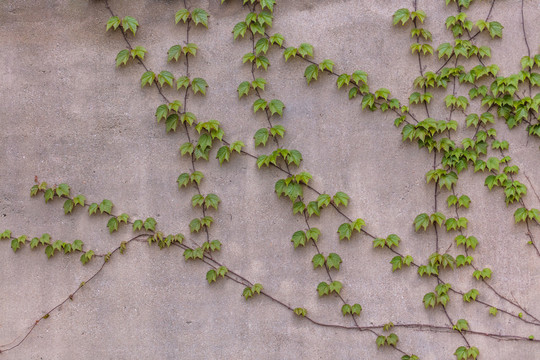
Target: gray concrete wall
column 70, row 116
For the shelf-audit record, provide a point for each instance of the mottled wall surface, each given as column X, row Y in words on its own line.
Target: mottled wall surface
column 70, row 116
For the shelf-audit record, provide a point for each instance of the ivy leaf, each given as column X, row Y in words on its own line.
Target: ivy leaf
column 171, row 122
column 402, row 15
column 165, row 77
column 276, row 106
column 421, row 220
column 181, row 15
column 92, row 209
column 318, row 260
column 106, row 207
column 68, row 206
column 199, row 85
column 174, row 53
column 150, row 224
column 261, row 137
column 343, row 80
column 381, row 340
column 86, row 257
column 305, row 49
column 139, row 52
column 290, row 51
column 200, row 16
column 396, row 263
column 262, row 46
column 495, row 29
column 311, row 73
column 471, row 295
column 341, row 198
column 277, row 130
column 445, row 49
column 430, row 299
column 313, row 209
column 129, row 23
column 197, row 200
column 212, row 200
column 239, row 29
column 277, row 39
column 122, row 57
column 346, row 309
column 333, row 261
column 392, row 339
column 336, row 286
column 190, row 49
column 243, row 88
column 148, row 78
column 112, row 224
column 493, row 311
column 211, row 276
column 299, row 238
column 137, row 225
column 356, row 309
column 327, row 64
column 345, row 231
column 300, row 311
column 461, row 325
column 195, row 225
column 268, row 4
column 259, row 104
column 113, row 22
column 323, row 200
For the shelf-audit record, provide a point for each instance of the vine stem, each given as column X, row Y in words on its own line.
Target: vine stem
column 69, row 297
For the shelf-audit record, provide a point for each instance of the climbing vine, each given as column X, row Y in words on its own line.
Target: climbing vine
column 468, row 93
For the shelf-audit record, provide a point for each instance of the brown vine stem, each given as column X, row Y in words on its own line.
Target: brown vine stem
column 286, row 171
column 484, row 280
column 69, row 297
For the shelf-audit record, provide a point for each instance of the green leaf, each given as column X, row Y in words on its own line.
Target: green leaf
column 171, row 122
column 445, row 49
column 356, row 309
column 299, row 238
column 92, row 208
column 243, row 88
column 129, row 23
column 300, row 311
column 165, row 77
column 86, row 257
column 195, row 225
column 68, row 206
column 199, row 16
column 396, row 263
column 290, row 51
column 137, row 225
column 323, row 200
column 276, row 106
column 161, row 112
column 199, row 85
column 346, row 309
column 197, row 200
column 277, row 39
column 313, row 209
column 174, row 53
column 359, row 76
column 150, row 224
column 261, row 137
column 318, row 260
column 262, row 46
column 148, row 78
column 381, row 340
column 212, row 200
column 181, row 15
column 341, row 198
column 113, row 22
column 262, row 61
column 333, row 260
column 239, row 29
column 139, row 52
column 392, row 339
column 402, row 15
column 430, row 299
column 305, row 49
column 345, row 231
column 336, row 286
column 327, row 64
column 343, row 80
column 77, row 245
column 112, row 224
column 495, row 29
column 421, row 220
column 311, row 73
column 471, row 295
column 259, row 104
column 106, row 206
column 268, row 4
column 493, row 311
column 461, row 325
column 277, row 130
column 62, row 190
column 211, row 276
column 223, row 154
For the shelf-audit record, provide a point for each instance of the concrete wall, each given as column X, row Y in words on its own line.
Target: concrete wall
column 69, row 115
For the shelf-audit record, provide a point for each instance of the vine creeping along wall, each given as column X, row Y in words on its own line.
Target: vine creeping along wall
column 383, row 196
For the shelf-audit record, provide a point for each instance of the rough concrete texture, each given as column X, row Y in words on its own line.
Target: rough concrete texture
column 70, row 116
